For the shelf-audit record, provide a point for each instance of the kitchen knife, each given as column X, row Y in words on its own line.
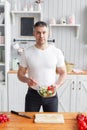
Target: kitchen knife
column 19, row 114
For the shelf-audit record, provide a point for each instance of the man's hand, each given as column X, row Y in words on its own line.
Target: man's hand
column 55, row 86
column 32, row 83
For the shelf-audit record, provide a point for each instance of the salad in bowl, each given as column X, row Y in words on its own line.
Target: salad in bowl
column 47, row 91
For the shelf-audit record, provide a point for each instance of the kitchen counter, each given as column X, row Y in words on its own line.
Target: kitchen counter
column 71, row 73
column 21, row 123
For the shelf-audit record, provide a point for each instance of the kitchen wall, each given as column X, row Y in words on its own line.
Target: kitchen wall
column 75, row 50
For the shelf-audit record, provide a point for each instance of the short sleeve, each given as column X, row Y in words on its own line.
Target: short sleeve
column 23, row 61
column 60, row 59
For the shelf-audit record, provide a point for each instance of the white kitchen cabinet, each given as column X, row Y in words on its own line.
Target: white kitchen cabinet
column 81, row 102
column 3, row 97
column 73, row 94
column 65, row 93
column 4, row 38
column 4, row 52
column 2, row 42
column 16, row 93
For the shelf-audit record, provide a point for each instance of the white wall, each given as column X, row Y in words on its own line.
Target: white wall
column 75, row 50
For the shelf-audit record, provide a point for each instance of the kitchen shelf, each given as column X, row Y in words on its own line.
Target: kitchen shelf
column 2, row 45
column 33, row 13
column 2, row 64
column 2, row 39
column 36, row 14
column 21, row 12
column 77, row 27
column 2, row 25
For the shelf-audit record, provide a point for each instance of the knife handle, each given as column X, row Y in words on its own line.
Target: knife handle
column 19, row 114
column 14, row 112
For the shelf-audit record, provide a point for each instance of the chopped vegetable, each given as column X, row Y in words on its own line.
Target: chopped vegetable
column 47, row 91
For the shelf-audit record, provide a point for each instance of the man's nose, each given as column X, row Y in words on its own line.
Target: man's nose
column 41, row 35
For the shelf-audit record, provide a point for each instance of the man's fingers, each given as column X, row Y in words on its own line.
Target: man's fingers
column 34, row 81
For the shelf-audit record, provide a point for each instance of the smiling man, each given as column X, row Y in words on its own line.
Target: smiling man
column 43, row 61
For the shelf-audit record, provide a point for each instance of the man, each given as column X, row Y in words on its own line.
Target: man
column 42, row 61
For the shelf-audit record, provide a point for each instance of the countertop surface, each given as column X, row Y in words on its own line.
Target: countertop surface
column 84, row 72
column 21, row 123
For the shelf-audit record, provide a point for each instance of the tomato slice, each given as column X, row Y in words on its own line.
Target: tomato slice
column 49, row 88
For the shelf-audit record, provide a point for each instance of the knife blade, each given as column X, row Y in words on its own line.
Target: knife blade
column 19, row 114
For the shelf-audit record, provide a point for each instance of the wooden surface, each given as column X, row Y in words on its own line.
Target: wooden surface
column 21, row 123
column 84, row 72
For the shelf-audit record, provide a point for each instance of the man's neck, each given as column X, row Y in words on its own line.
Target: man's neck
column 42, row 47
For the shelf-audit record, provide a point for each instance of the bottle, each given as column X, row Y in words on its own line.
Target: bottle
column 31, row 7
column 2, row 77
column 15, row 64
column 3, row 56
column 0, row 38
column 39, row 7
column 71, row 19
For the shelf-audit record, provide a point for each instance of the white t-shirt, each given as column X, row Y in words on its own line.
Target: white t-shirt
column 42, row 63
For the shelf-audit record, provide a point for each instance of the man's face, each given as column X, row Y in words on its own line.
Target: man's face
column 41, row 35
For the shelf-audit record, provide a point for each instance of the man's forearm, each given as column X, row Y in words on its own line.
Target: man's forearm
column 23, row 78
column 61, row 79
column 22, row 74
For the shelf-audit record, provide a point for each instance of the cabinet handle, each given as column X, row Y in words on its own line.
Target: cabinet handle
column 73, row 85
column 79, row 85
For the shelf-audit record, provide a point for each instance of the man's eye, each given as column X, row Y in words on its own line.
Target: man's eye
column 44, row 32
column 38, row 32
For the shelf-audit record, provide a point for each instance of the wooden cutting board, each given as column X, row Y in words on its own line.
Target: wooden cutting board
column 49, row 118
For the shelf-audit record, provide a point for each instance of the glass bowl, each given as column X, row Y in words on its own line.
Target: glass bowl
column 46, row 91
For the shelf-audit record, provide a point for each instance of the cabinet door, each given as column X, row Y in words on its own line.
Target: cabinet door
column 2, row 42
column 67, row 95
column 81, row 104
column 16, row 93
column 3, row 97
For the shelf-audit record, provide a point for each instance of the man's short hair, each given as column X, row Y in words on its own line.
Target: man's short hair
column 40, row 24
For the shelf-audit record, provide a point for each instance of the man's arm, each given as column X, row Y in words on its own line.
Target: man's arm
column 61, row 71
column 22, row 77
column 21, row 74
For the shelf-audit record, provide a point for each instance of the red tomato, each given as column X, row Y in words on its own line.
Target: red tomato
column 3, row 118
column 80, row 117
column 85, row 119
column 82, row 123
column 81, row 128
column 49, row 88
